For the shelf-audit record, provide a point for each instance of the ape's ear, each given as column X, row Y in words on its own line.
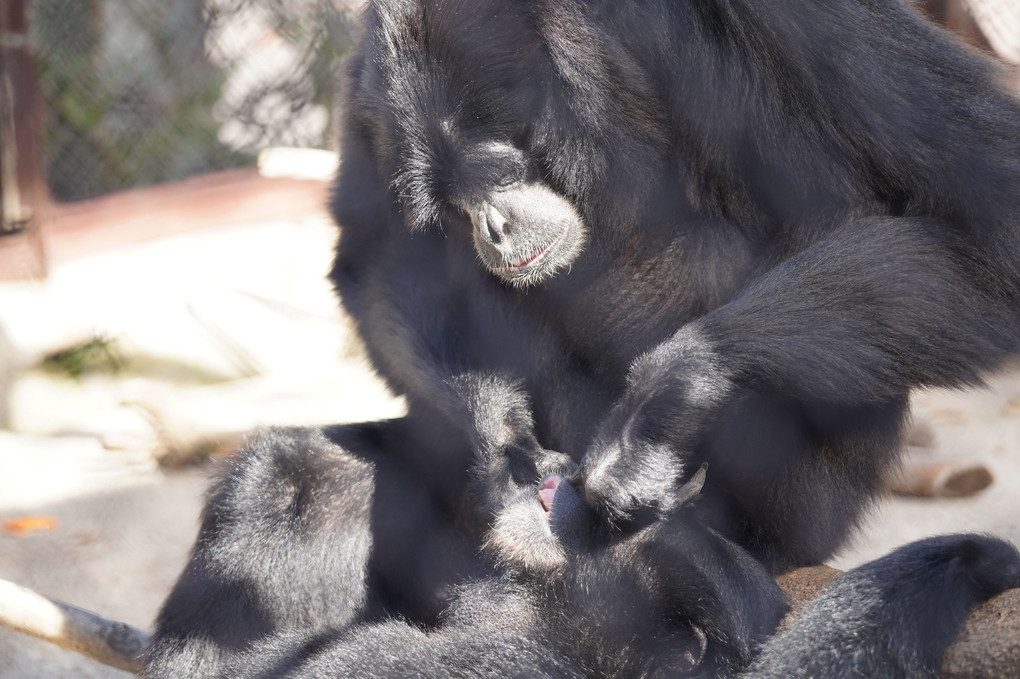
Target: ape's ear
column 693, row 486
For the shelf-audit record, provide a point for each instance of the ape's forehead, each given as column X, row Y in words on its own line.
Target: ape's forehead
column 466, row 49
column 482, row 22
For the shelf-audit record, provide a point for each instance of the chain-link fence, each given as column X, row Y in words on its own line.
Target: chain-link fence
column 143, row 91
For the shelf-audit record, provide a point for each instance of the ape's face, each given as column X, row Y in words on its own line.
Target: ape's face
column 538, row 530
column 525, row 232
column 541, row 528
column 450, row 116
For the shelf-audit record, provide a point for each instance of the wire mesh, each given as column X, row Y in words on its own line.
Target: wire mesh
column 144, row 91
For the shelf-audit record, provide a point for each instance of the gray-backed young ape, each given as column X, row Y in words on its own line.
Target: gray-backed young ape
column 733, row 231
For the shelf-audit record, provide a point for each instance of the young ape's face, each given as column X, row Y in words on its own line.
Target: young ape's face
column 540, row 528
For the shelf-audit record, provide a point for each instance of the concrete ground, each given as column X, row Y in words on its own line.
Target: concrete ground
column 980, row 425
column 226, row 329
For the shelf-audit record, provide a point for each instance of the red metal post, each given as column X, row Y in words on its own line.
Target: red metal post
column 24, row 194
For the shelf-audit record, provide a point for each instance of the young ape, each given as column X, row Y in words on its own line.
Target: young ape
column 672, row 231
column 569, row 600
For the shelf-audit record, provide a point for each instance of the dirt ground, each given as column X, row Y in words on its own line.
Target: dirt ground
column 253, row 332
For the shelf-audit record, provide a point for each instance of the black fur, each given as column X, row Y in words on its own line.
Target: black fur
column 893, row 617
column 648, row 235
column 673, row 599
column 792, row 213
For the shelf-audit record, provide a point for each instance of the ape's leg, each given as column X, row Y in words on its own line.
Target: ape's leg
column 311, row 529
column 893, row 617
column 789, row 481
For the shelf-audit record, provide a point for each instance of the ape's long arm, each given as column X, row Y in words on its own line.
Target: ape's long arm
column 816, row 354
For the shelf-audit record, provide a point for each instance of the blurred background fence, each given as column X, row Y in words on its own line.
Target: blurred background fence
column 138, row 92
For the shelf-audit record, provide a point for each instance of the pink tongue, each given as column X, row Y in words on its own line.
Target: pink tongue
column 547, row 491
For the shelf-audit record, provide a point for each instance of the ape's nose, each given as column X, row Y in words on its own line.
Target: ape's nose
column 492, row 225
column 498, row 223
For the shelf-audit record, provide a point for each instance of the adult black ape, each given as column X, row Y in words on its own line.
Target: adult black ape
column 674, row 599
column 734, row 231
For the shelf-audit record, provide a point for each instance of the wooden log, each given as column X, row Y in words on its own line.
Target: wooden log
column 923, row 474
column 109, row 642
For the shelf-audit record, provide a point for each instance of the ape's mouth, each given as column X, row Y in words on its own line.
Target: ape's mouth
column 547, row 492
column 532, row 260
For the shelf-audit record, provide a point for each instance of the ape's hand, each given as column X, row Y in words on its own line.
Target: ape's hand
column 643, row 446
